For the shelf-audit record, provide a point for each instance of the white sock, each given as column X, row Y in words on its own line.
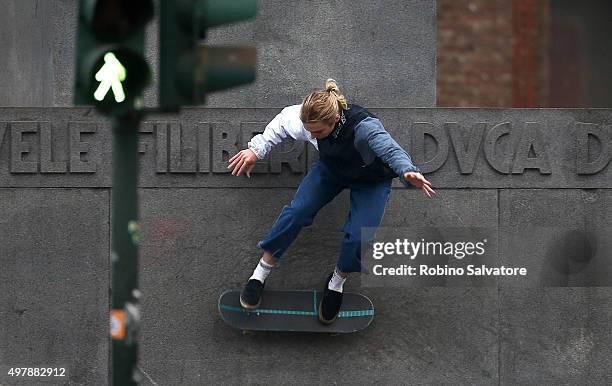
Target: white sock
column 336, row 282
column 262, row 271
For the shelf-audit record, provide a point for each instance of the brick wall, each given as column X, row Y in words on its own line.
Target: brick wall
column 488, row 58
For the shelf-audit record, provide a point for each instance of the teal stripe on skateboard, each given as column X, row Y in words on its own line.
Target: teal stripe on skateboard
column 342, row 314
column 348, row 314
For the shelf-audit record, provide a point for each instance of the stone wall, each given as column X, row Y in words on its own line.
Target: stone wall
column 533, row 173
column 531, row 176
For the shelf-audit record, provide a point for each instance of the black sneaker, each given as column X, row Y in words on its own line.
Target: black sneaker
column 330, row 303
column 250, row 298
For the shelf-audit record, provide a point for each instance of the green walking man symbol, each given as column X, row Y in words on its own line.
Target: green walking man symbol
column 110, row 76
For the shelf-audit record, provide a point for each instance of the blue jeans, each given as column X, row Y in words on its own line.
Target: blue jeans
column 319, row 187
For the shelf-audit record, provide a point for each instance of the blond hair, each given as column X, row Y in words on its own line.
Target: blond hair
column 323, row 105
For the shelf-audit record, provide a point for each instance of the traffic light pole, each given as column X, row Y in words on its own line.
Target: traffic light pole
column 111, row 74
column 125, row 312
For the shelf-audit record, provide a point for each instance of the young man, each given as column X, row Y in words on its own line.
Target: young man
column 356, row 153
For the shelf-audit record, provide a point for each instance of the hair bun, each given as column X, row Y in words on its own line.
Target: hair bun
column 331, row 85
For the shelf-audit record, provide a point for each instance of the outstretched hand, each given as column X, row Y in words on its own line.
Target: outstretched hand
column 243, row 161
column 417, row 180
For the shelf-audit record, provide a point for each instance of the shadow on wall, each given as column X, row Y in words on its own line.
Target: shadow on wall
column 570, row 253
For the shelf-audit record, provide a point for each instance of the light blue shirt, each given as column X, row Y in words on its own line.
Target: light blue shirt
column 372, row 140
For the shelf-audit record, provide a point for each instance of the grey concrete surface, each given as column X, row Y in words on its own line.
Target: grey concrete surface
column 557, row 336
column 54, row 280
column 197, row 244
column 562, row 236
column 344, row 40
column 37, row 44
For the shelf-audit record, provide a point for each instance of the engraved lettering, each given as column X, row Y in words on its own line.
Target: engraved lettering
column 182, row 156
column 161, row 148
column 20, row 148
column 422, row 130
column 288, row 152
column 3, row 127
column 225, row 141
column 78, row 148
column 204, row 149
column 466, row 154
column 47, row 165
column 508, row 144
column 586, row 161
column 144, row 141
column 501, row 164
column 531, row 140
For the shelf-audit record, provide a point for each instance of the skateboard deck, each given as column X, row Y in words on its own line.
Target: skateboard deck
column 295, row 311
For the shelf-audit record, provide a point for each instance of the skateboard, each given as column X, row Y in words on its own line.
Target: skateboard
column 295, row 311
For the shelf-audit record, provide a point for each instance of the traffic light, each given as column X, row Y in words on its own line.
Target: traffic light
column 111, row 71
column 189, row 69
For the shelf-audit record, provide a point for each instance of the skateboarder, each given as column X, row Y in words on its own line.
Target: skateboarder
column 356, row 153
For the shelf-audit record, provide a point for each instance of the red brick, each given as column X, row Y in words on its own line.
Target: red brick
column 475, row 53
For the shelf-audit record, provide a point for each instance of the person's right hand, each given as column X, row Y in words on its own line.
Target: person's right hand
column 243, row 161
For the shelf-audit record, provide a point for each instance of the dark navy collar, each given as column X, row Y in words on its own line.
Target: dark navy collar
column 339, row 125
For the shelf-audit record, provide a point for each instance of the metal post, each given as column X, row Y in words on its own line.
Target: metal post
column 125, row 312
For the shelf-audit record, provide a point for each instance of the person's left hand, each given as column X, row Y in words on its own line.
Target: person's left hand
column 419, row 181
